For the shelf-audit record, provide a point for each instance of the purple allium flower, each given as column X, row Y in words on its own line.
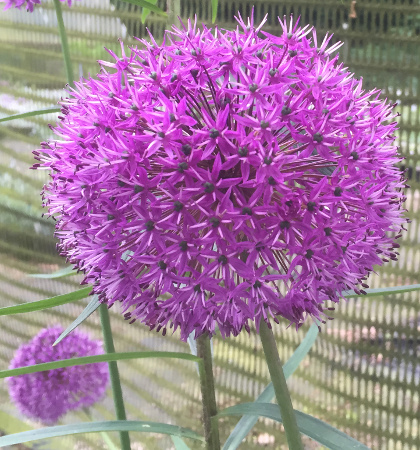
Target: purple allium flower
column 28, row 4
column 46, row 396
column 225, row 177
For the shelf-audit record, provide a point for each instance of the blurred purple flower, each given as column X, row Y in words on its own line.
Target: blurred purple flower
column 28, row 4
column 225, row 177
column 47, row 396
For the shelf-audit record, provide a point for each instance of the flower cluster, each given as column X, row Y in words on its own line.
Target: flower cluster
column 47, row 396
column 225, row 177
column 28, row 4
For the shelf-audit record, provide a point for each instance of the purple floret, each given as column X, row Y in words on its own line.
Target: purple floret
column 225, row 177
column 28, row 4
column 47, row 396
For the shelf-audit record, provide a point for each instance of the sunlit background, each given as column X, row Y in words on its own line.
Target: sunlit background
column 362, row 375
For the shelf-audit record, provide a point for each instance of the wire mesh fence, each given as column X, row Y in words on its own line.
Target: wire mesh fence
column 363, row 374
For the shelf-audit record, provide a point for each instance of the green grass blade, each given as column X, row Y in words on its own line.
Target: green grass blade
column 246, row 423
column 93, row 305
column 383, row 291
column 107, row 440
column 95, row 359
column 105, row 436
column 144, row 15
column 179, row 443
column 310, row 426
column 38, row 112
column 145, row 12
column 214, row 6
column 66, row 272
column 97, row 427
column 299, row 354
column 46, row 303
column 11, row 424
column 148, row 5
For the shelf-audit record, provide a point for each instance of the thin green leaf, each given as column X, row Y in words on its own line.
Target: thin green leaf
column 316, row 429
column 83, row 360
column 144, row 15
column 105, row 436
column 246, row 423
column 95, row 427
column 11, row 424
column 145, row 12
column 148, row 5
column 179, row 443
column 31, row 114
column 214, row 5
column 66, row 272
column 46, row 303
column 108, row 441
column 93, row 305
column 383, row 291
column 299, row 354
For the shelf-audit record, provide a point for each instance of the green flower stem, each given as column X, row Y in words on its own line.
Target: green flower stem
column 211, row 430
column 280, row 387
column 114, row 375
column 64, row 43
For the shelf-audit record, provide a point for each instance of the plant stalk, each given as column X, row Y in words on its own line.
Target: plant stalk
column 64, row 43
column 208, row 396
column 114, row 375
column 280, row 387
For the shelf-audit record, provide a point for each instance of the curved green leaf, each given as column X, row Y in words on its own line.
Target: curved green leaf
column 179, row 443
column 383, row 291
column 95, row 427
column 244, row 426
column 46, row 303
column 66, row 272
column 105, row 436
column 93, row 305
column 145, row 12
column 144, row 15
column 31, row 114
column 95, row 359
column 316, row 429
column 107, row 440
column 148, row 5
column 11, row 424
column 299, row 354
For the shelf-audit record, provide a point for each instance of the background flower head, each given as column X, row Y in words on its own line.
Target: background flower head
column 225, row 177
column 28, row 4
column 47, row 396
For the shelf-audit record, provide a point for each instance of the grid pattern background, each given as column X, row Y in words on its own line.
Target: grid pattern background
column 363, row 373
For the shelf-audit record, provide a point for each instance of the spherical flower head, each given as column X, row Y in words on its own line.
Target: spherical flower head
column 28, row 4
column 225, row 177
column 47, row 396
